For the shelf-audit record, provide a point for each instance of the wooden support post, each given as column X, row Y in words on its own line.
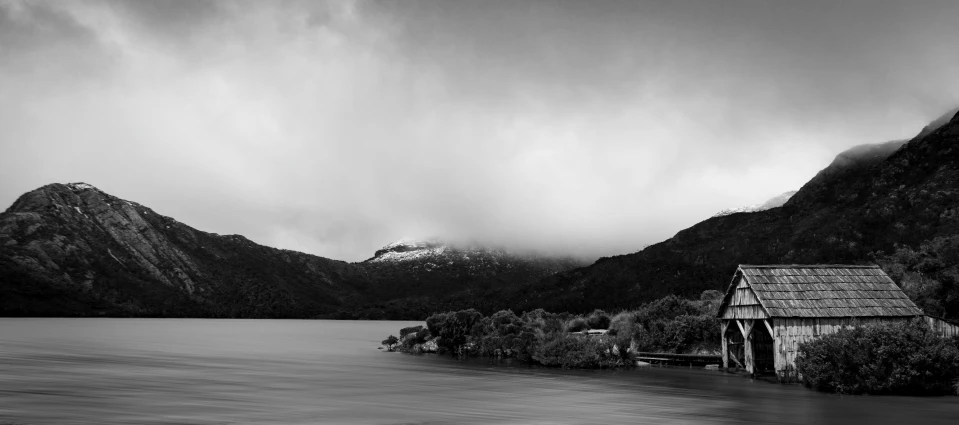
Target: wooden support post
column 725, row 342
column 741, row 327
column 735, row 360
column 770, row 329
column 748, row 348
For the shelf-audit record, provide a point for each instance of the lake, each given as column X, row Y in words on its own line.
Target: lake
column 196, row 371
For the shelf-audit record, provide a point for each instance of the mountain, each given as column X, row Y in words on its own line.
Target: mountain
column 74, row 250
column 939, row 122
column 418, row 277
column 71, row 249
column 774, row 202
column 870, row 202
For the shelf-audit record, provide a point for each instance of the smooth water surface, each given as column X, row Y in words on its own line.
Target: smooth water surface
column 195, row 371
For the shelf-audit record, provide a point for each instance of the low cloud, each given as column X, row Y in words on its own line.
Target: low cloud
column 337, row 128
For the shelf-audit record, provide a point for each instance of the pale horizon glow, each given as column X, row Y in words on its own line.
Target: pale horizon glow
column 584, row 128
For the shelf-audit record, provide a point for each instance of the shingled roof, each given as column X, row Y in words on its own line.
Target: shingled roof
column 824, row 291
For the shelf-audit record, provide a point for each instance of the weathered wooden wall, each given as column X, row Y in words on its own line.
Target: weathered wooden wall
column 744, row 305
column 791, row 332
column 942, row 327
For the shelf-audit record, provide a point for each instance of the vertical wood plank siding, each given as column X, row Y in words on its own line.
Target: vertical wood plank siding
column 744, row 305
column 790, row 332
column 942, row 327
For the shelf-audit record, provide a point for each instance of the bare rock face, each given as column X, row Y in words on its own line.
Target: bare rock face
column 70, row 249
column 67, row 212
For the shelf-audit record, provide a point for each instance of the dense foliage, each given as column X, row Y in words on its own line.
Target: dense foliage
column 671, row 324
column 903, row 358
column 929, row 275
column 677, row 325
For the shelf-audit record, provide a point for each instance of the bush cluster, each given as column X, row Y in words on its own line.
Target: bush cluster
column 671, row 325
column 674, row 325
column 899, row 358
column 412, row 337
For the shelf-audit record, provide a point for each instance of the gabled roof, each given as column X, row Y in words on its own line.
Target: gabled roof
column 823, row 291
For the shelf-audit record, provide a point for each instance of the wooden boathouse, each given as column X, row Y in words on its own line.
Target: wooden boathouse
column 769, row 310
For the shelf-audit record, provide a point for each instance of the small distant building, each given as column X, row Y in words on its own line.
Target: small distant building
column 769, row 310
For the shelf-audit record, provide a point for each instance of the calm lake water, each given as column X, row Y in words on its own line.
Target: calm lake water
column 173, row 371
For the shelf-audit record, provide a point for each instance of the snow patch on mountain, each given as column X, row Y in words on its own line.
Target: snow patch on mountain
column 775, row 202
column 421, row 253
column 407, row 249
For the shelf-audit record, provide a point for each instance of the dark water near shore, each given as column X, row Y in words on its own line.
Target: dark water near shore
column 172, row 371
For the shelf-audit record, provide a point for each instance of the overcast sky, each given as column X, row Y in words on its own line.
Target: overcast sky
column 586, row 127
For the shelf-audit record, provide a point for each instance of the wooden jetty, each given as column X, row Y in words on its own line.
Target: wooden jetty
column 679, row 359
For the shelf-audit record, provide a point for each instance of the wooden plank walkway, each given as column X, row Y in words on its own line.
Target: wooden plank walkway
column 682, row 359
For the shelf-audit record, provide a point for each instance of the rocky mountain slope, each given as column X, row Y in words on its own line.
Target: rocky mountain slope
column 870, row 200
column 71, row 249
column 415, row 278
column 75, row 250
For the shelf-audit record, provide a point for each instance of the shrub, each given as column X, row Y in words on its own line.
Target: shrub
column 409, row 340
column 598, row 319
column 676, row 325
column 900, row 358
column 690, row 334
column 575, row 351
column 576, row 325
column 622, row 347
column 435, row 322
column 390, row 342
column 711, row 295
column 621, row 323
column 668, row 308
column 491, row 336
column 524, row 345
column 545, row 321
column 453, row 329
column 412, row 329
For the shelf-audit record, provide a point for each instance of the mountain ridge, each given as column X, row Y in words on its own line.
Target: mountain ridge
column 70, row 236
column 774, row 202
column 865, row 203
column 71, row 249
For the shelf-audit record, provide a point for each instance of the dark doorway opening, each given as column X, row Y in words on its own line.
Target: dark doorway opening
column 763, row 355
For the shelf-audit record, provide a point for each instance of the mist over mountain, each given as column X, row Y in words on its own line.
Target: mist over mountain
column 335, row 127
column 414, row 278
column 894, row 203
column 72, row 249
column 774, row 202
